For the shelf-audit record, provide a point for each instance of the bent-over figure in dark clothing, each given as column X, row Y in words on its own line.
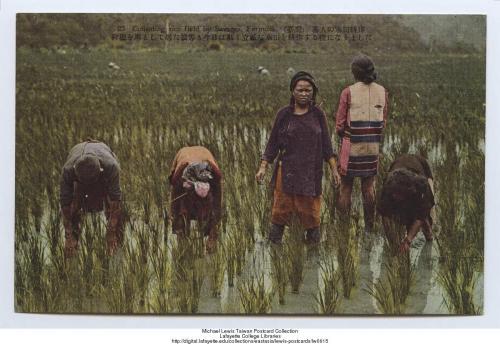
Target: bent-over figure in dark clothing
column 407, row 197
column 90, row 182
column 196, row 193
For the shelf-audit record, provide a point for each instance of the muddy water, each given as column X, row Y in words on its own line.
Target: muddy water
column 426, row 295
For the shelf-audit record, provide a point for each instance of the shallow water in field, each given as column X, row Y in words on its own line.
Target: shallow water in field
column 426, row 295
column 145, row 121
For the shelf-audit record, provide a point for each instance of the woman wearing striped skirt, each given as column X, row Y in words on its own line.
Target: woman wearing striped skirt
column 360, row 120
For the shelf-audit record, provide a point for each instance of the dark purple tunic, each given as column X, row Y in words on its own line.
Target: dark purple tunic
column 301, row 143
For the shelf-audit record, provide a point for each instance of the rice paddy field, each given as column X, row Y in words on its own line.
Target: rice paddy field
column 160, row 101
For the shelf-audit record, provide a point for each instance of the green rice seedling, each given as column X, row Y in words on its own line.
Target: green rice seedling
column 461, row 252
column 87, row 256
column 102, row 260
column 328, row 219
column 393, row 287
column 195, row 238
column 474, row 204
column 458, row 271
column 296, row 255
column 280, row 270
column 36, row 214
column 255, row 297
column 76, row 291
column 21, row 234
column 34, row 257
column 60, row 265
column 128, row 111
column 120, row 294
column 447, row 184
column 196, row 285
column 166, row 229
column 329, row 296
column 54, row 232
column 386, row 301
column 188, row 284
column 141, row 274
column 153, row 229
column 161, row 299
column 394, row 232
column 236, row 251
column 458, row 278
column 51, row 295
column 147, row 210
column 188, row 275
column 84, row 275
column 217, row 267
column 263, row 210
column 245, row 215
column 347, row 252
column 231, row 257
column 143, row 243
column 21, row 283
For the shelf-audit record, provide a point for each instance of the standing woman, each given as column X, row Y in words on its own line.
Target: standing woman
column 300, row 142
column 360, row 120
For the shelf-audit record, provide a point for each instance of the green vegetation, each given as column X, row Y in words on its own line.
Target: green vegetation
column 347, row 234
column 392, row 289
column 461, row 240
column 160, row 101
column 329, row 296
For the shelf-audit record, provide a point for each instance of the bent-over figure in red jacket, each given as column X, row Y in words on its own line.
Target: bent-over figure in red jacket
column 196, row 193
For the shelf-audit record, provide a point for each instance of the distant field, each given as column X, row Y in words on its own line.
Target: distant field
column 157, row 102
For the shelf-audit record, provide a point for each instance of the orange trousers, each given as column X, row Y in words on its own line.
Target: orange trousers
column 287, row 206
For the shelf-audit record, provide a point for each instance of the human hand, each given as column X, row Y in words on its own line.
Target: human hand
column 336, row 177
column 67, row 217
column 261, row 172
column 211, row 245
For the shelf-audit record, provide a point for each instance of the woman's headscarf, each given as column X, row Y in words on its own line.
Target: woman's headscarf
column 301, row 75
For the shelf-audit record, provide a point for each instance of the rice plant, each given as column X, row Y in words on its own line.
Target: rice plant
column 347, row 252
column 188, row 275
column 255, row 296
column 461, row 240
column 296, row 255
column 63, row 99
column 280, row 270
column 329, row 297
column 392, row 289
column 161, row 299
column 217, row 267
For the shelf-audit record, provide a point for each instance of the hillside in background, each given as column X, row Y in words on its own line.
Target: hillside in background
column 336, row 33
column 451, row 31
column 345, row 32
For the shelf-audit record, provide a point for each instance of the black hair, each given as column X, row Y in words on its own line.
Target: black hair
column 363, row 69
